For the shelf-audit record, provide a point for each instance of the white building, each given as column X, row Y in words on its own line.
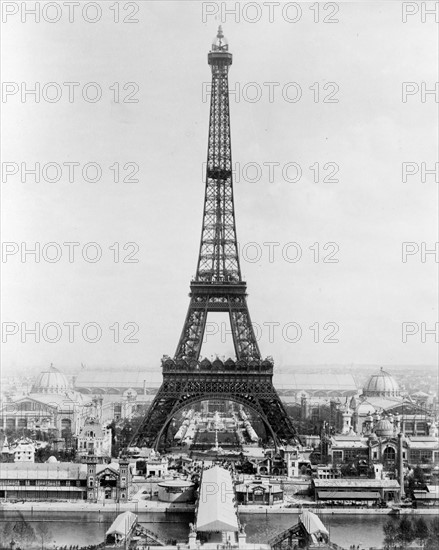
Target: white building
column 51, row 406
column 156, row 466
column 24, row 451
column 94, row 439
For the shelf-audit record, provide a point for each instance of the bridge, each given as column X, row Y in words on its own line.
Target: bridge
column 308, row 533
column 217, row 524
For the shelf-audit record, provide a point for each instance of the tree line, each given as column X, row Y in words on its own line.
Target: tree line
column 398, row 535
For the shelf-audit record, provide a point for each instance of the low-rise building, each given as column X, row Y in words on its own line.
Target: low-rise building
column 378, row 444
column 54, row 480
column 24, row 451
column 259, row 492
column 176, row 490
column 424, row 498
column 156, row 466
column 355, row 491
column 95, row 439
column 296, row 465
column 327, row 472
column 46, row 481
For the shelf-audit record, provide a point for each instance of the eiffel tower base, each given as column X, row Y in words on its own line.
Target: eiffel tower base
column 186, row 383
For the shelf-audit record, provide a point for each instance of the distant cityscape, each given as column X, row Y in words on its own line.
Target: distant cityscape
column 66, row 438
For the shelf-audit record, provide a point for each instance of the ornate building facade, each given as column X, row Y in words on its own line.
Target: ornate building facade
column 51, row 406
column 95, row 439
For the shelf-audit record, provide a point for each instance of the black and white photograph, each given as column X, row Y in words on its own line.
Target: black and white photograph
column 219, row 266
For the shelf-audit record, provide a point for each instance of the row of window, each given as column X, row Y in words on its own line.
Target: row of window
column 415, row 455
column 423, row 455
column 44, row 482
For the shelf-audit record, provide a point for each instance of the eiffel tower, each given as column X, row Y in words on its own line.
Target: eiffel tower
column 218, row 286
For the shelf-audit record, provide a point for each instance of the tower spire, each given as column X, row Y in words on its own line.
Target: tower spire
column 218, row 285
column 218, row 259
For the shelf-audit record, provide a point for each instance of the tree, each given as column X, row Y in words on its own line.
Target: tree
column 405, row 531
column 421, row 530
column 7, row 530
column 416, row 480
column 247, row 467
column 419, row 477
column 67, row 434
column 44, row 532
column 434, row 527
column 390, row 534
column 23, row 533
column 349, row 469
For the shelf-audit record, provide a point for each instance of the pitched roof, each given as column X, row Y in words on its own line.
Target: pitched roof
column 46, row 470
column 349, row 495
column 349, row 442
column 122, row 524
column 422, row 442
column 136, row 377
column 372, row 403
column 113, row 466
column 356, row 483
column 314, row 381
column 132, row 378
column 216, row 508
column 312, row 523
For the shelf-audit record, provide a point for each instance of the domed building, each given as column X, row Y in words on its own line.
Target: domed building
column 51, row 381
column 381, row 384
column 384, row 428
column 94, row 439
column 51, row 407
column 380, row 393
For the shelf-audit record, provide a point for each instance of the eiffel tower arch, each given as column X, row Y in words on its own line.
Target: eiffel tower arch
column 217, row 287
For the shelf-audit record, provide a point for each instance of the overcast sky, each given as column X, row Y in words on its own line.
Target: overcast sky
column 368, row 213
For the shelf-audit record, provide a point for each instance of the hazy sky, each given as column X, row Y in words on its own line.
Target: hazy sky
column 368, row 213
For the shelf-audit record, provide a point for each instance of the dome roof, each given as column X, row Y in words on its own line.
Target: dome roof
column 176, row 482
column 381, row 384
column 130, row 393
column 51, row 381
column 92, row 428
column 384, row 428
column 51, row 460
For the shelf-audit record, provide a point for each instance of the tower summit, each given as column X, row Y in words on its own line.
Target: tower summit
column 218, row 260
column 217, row 287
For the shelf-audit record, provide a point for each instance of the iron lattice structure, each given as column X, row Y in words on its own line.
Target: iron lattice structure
column 217, row 286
